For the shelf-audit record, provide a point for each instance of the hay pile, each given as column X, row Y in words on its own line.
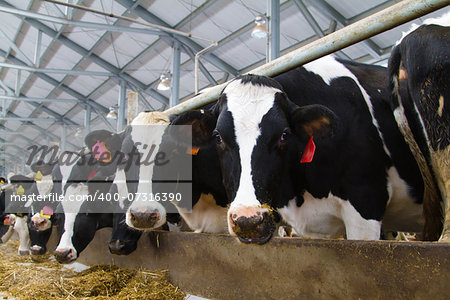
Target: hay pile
column 23, row 278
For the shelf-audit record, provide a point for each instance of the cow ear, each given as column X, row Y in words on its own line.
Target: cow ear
column 24, row 181
column 314, row 120
column 43, row 167
column 202, row 123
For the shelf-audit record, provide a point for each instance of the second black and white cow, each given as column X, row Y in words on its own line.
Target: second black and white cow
column 137, row 180
column 84, row 209
column 319, row 145
column 203, row 201
column 42, row 217
column 16, row 194
column 419, row 70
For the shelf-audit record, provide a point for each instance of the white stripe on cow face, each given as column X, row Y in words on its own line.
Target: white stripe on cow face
column 144, row 140
column 65, row 173
column 45, row 185
column 21, row 227
column 120, row 181
column 248, row 104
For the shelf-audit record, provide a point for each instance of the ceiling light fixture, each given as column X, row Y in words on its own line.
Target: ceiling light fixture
column 260, row 31
column 78, row 132
column 112, row 113
column 164, row 82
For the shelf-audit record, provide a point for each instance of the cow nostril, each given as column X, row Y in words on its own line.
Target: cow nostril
column 234, row 218
column 116, row 246
column 154, row 215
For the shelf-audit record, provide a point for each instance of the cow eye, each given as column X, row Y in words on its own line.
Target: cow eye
column 284, row 135
column 218, row 137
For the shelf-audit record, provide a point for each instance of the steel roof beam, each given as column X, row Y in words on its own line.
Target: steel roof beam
column 169, row 40
column 56, row 71
column 30, row 3
column 13, row 46
column 18, row 159
column 57, row 36
column 203, row 69
column 55, row 82
column 29, row 119
column 83, row 24
column 46, row 109
column 82, row 60
column 18, row 134
column 332, row 13
column 314, row 25
column 38, row 128
column 35, row 99
column 93, row 57
column 38, row 56
column 44, row 77
column 244, row 29
column 149, row 17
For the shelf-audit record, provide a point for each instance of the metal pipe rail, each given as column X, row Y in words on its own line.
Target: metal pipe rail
column 381, row 21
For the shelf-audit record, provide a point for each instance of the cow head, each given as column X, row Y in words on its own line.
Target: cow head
column 133, row 179
column 41, row 216
column 77, row 230
column 259, row 133
column 142, row 141
column 123, row 238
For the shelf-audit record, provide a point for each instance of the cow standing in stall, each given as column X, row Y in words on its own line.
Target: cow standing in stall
column 419, row 71
column 15, row 216
column 79, row 212
column 203, row 207
column 49, row 186
column 319, row 145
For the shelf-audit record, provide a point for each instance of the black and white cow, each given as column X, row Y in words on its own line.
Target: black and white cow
column 42, row 214
column 318, row 144
column 89, row 180
column 419, row 70
column 131, row 177
column 204, row 210
column 15, row 215
column 5, row 229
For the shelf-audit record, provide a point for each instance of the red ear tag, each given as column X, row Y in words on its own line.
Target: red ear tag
column 7, row 221
column 92, row 174
column 308, row 152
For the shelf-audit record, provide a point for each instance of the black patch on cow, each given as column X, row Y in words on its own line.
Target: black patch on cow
column 373, row 79
column 424, row 54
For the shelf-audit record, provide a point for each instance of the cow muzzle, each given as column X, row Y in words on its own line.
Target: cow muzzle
column 37, row 250
column 119, row 247
column 145, row 218
column 65, row 256
column 40, row 224
column 24, row 252
column 252, row 225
